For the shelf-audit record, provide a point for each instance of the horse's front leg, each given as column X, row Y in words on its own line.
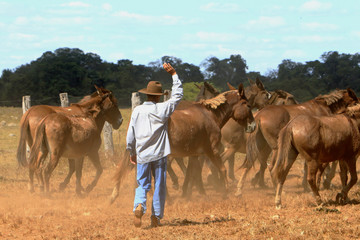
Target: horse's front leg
column 342, row 197
column 94, row 158
column 66, row 181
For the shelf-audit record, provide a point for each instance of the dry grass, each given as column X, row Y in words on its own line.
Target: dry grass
column 65, row 216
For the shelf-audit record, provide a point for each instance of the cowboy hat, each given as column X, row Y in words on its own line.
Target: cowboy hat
column 153, row 88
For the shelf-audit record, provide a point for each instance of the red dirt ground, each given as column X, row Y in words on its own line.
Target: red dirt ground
column 65, row 216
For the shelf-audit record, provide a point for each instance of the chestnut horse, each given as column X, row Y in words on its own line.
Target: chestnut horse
column 319, row 140
column 30, row 120
column 234, row 136
column 195, row 130
column 73, row 136
column 271, row 119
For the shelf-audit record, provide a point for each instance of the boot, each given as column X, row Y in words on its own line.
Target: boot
column 139, row 212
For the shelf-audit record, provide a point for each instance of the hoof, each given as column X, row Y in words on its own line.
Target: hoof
column 238, row 194
column 278, row 206
column 62, row 187
column 176, row 186
column 341, row 199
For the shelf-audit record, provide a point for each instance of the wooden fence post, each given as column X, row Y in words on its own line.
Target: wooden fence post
column 108, row 140
column 64, row 99
column 26, row 103
column 135, row 100
column 167, row 97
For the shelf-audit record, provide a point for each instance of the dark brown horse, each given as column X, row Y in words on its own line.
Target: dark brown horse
column 196, row 130
column 30, row 120
column 271, row 119
column 73, row 136
column 319, row 140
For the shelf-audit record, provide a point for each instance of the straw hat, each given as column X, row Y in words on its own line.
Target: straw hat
column 153, row 88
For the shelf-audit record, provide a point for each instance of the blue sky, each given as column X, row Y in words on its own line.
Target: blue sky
column 262, row 32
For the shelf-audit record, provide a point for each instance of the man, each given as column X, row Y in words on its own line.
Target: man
column 148, row 143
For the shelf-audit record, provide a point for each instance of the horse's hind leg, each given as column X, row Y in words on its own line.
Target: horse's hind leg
column 66, row 181
column 96, row 162
column 172, row 174
column 330, row 174
column 259, row 176
column 180, row 162
column 245, row 170
column 313, row 167
column 197, row 176
column 54, row 160
column 78, row 167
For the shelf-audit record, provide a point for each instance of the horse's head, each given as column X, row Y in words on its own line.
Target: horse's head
column 110, row 108
column 241, row 109
column 207, row 91
column 256, row 94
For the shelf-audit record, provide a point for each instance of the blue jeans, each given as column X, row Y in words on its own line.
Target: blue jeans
column 144, row 171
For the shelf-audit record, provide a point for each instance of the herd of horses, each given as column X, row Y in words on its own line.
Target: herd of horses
column 268, row 126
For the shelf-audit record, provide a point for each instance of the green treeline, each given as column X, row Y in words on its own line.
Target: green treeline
column 75, row 72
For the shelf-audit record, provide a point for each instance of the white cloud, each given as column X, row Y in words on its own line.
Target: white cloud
column 314, row 26
column 165, row 20
column 315, row 6
column 144, row 51
column 21, row 20
column 107, row 6
column 75, row 4
column 220, row 7
column 293, row 53
column 312, row 39
column 213, row 37
column 22, row 36
column 356, row 34
column 266, row 22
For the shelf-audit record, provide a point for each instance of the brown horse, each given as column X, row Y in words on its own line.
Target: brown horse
column 73, row 136
column 319, row 140
column 196, row 130
column 234, row 136
column 271, row 119
column 258, row 98
column 31, row 118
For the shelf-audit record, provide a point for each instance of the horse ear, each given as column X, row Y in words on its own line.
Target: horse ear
column 352, row 94
column 251, row 81
column 231, row 87
column 241, row 90
column 259, row 84
column 98, row 90
column 197, row 86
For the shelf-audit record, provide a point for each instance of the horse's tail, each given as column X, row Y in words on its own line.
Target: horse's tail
column 24, row 132
column 282, row 153
column 252, row 148
column 39, row 139
column 122, row 169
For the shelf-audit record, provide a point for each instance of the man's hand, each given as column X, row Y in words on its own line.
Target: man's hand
column 133, row 159
column 169, row 68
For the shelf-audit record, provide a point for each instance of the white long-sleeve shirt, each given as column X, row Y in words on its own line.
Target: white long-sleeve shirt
column 147, row 135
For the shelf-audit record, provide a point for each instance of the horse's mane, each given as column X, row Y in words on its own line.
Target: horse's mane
column 353, row 111
column 215, row 102
column 332, row 97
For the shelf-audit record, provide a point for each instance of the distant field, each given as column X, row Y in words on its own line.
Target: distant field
column 65, row 216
